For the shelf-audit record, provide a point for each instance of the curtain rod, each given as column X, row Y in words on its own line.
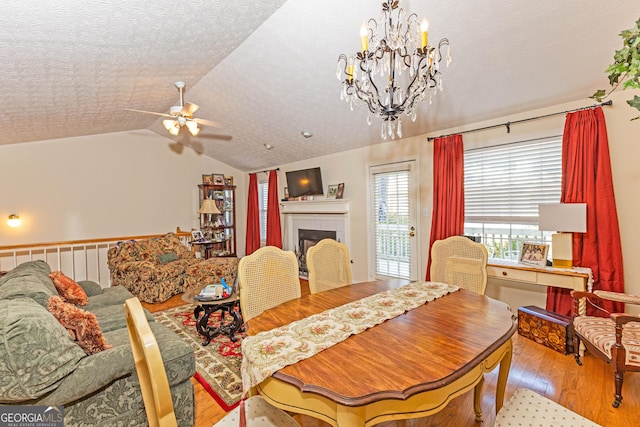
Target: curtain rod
column 265, row 171
column 508, row 124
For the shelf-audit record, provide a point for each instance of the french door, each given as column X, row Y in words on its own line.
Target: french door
column 393, row 221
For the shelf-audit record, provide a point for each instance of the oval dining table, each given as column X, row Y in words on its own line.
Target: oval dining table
column 406, row 367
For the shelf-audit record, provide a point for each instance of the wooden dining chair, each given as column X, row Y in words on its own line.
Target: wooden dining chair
column 266, row 278
column 527, row 408
column 614, row 339
column 258, row 413
column 329, row 265
column 152, row 376
column 459, row 261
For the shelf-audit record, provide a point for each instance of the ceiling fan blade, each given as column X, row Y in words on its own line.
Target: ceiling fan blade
column 189, row 109
column 148, row 112
column 205, row 122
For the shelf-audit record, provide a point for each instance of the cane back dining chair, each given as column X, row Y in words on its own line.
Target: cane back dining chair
column 267, row 278
column 459, row 261
column 152, row 376
column 614, row 339
column 329, row 265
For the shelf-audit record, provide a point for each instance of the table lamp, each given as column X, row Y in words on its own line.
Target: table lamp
column 209, row 208
column 564, row 219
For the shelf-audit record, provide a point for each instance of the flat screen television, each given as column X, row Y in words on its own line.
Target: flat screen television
column 304, row 182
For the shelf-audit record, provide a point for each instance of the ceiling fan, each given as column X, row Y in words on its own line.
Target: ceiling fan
column 180, row 115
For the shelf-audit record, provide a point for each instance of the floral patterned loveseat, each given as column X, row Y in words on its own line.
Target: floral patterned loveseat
column 156, row 269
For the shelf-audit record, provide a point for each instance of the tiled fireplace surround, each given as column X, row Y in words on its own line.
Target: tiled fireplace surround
column 327, row 215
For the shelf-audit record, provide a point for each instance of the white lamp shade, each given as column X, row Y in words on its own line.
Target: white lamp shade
column 209, row 207
column 563, row 217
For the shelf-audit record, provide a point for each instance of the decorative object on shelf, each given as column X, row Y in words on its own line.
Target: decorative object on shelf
column 332, row 191
column 373, row 76
column 533, row 253
column 625, row 69
column 563, row 219
column 207, row 179
column 197, row 236
column 218, row 179
column 340, row 191
column 14, row 221
column 228, row 180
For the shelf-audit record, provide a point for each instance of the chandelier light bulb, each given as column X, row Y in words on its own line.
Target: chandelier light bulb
column 363, row 36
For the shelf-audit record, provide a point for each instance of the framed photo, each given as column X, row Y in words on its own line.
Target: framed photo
column 340, row 192
column 207, row 179
column 228, row 180
column 332, row 191
column 197, row 235
column 218, row 179
column 533, row 253
column 286, row 192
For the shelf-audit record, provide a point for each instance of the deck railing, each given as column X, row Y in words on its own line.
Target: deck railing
column 78, row 259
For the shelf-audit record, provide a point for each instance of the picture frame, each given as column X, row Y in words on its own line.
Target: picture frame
column 218, row 179
column 228, row 180
column 286, row 192
column 207, row 179
column 340, row 191
column 197, row 236
column 533, row 253
column 332, row 191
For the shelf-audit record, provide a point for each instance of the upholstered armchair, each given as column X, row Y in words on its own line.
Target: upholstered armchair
column 614, row 339
column 156, row 269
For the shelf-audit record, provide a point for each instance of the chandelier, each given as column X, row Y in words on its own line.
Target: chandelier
column 374, row 76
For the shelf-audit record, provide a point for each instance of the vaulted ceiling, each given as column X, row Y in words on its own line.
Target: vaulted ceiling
column 264, row 71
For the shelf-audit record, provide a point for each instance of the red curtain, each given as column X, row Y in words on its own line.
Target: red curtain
column 586, row 178
column 448, row 190
column 274, row 232
column 253, row 217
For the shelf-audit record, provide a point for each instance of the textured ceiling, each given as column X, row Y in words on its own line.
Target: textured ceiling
column 265, row 71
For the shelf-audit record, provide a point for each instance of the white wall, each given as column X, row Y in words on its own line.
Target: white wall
column 130, row 183
column 350, row 167
column 110, row 185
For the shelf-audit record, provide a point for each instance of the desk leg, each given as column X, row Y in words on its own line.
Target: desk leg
column 503, row 374
column 477, row 399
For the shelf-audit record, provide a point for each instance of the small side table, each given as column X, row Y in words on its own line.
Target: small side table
column 204, row 310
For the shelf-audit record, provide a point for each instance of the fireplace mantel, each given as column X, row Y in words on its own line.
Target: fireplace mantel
column 324, row 206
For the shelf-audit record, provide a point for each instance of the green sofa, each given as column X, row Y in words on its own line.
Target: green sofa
column 42, row 365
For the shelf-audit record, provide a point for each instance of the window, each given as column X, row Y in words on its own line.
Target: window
column 503, row 186
column 263, row 192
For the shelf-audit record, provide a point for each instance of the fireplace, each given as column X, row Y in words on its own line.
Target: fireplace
column 327, row 218
column 307, row 239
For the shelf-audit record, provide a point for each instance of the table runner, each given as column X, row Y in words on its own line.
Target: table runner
column 267, row 352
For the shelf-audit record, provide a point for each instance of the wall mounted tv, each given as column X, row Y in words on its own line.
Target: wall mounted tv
column 305, row 182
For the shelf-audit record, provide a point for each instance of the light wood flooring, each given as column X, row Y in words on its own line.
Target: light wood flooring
column 586, row 390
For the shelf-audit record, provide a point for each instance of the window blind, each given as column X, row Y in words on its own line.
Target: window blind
column 263, row 193
column 505, row 184
column 391, row 214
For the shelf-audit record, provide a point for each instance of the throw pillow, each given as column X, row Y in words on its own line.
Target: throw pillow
column 68, row 289
column 81, row 325
column 168, row 257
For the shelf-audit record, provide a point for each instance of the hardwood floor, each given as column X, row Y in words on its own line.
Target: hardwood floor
column 586, row 390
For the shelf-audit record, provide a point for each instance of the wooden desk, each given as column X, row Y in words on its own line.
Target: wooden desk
column 407, row 367
column 576, row 279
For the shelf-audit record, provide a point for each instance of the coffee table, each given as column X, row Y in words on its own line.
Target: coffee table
column 204, row 310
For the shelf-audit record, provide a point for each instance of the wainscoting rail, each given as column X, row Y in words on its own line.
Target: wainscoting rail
column 78, row 259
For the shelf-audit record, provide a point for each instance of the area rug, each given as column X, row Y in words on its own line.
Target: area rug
column 217, row 364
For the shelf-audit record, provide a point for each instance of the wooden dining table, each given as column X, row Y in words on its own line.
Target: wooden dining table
column 406, row 367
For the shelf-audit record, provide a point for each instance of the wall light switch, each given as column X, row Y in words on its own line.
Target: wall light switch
column 425, row 212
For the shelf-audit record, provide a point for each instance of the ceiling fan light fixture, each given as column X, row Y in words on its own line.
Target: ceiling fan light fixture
column 168, row 124
column 193, row 127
